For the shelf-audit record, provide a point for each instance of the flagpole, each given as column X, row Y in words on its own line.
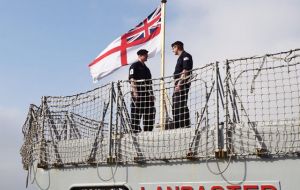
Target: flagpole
column 162, row 67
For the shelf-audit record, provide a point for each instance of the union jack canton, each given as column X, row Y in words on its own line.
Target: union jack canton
column 142, row 36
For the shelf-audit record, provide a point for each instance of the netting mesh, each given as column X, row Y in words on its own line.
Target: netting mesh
column 31, row 136
column 250, row 108
column 264, row 103
column 186, row 129
column 71, row 129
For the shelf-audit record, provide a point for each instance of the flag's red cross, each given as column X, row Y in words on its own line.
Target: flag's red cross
column 124, row 43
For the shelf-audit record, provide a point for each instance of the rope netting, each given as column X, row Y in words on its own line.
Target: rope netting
column 264, row 104
column 186, row 128
column 69, row 130
column 251, row 108
column 31, row 134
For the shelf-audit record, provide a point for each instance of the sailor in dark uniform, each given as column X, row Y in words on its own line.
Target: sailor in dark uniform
column 142, row 94
column 182, row 73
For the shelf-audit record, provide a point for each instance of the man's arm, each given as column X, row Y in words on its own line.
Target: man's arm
column 183, row 76
column 133, row 88
column 187, row 67
column 132, row 76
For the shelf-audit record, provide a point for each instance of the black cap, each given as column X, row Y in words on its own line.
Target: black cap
column 177, row 43
column 142, row 52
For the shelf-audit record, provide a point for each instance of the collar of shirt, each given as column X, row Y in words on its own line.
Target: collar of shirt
column 141, row 64
column 182, row 54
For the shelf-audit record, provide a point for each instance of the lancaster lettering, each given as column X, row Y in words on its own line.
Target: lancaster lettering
column 217, row 187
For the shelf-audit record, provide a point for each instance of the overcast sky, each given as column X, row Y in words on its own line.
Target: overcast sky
column 45, row 47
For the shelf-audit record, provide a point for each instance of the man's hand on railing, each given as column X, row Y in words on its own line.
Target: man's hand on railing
column 135, row 95
column 177, row 87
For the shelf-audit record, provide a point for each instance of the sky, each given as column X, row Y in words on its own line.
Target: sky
column 46, row 46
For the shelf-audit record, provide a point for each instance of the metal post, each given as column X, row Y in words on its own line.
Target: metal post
column 162, row 67
column 43, row 153
column 117, row 151
column 110, row 143
column 221, row 151
column 227, row 115
column 217, row 108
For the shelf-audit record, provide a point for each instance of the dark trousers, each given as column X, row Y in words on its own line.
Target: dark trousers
column 142, row 106
column 180, row 110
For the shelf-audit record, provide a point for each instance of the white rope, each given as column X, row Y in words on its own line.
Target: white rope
column 242, row 180
column 112, row 176
column 35, row 178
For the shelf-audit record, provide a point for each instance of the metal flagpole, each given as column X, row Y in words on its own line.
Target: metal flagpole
column 162, row 67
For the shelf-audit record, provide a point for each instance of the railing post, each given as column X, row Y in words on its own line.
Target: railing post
column 218, row 142
column 43, row 152
column 218, row 111
column 221, row 151
column 110, row 131
column 227, row 115
column 117, row 128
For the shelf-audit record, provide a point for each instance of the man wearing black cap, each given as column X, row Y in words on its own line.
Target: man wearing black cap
column 180, row 110
column 142, row 94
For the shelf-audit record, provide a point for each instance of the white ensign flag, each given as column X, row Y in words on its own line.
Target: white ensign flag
column 122, row 51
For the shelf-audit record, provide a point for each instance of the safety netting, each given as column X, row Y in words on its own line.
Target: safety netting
column 184, row 130
column 264, row 104
column 247, row 106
